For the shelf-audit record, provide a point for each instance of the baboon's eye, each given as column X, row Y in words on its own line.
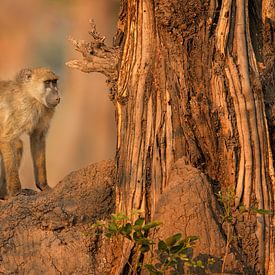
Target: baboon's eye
column 47, row 84
column 54, row 82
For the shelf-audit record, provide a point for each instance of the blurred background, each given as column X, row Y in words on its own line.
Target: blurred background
column 35, row 33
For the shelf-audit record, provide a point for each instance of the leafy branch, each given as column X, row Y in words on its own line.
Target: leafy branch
column 229, row 216
column 165, row 255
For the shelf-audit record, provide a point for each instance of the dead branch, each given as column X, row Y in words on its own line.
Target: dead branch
column 97, row 56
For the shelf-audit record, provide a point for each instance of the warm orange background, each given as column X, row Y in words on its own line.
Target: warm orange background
column 35, row 33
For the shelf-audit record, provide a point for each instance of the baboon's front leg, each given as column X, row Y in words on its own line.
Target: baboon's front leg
column 3, row 183
column 38, row 147
column 9, row 156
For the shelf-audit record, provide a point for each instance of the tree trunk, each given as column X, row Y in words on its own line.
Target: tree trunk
column 190, row 86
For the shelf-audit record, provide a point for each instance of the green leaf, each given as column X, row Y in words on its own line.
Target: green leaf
column 175, row 249
column 229, row 218
column 263, row 211
column 150, row 225
column 98, row 224
column 119, row 217
column 126, row 229
column 173, row 239
column 143, row 241
column 162, row 246
column 199, row 264
column 137, row 227
column 112, row 227
column 137, row 235
column 184, row 257
column 144, row 248
column 139, row 221
column 192, row 238
column 108, row 235
column 242, row 208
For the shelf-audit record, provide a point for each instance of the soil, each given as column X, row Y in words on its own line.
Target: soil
column 189, row 207
column 46, row 233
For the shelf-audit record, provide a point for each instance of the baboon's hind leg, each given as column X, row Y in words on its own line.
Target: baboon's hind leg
column 19, row 151
column 18, row 144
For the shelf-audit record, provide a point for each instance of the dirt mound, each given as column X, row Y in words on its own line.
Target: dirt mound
column 189, row 207
column 50, row 232
column 45, row 233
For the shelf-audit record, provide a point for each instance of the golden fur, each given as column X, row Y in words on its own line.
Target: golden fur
column 22, row 110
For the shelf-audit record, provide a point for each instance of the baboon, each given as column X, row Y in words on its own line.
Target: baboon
column 27, row 105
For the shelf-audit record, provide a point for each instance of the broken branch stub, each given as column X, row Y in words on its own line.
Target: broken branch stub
column 97, row 57
column 95, row 34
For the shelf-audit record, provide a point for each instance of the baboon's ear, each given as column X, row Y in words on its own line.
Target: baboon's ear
column 24, row 75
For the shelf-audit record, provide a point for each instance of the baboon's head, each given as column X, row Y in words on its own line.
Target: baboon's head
column 40, row 83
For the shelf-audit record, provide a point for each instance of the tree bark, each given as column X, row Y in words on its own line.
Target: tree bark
column 189, row 86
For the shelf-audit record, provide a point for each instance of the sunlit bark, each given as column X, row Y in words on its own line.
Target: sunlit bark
column 191, row 86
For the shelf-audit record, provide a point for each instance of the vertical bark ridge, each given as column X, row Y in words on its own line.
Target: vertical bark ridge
column 136, row 71
column 251, row 121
